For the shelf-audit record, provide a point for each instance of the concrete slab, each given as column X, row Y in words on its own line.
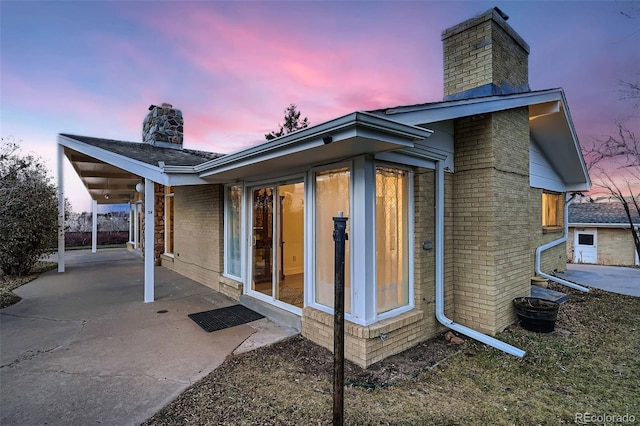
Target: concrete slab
column 610, row 278
column 82, row 347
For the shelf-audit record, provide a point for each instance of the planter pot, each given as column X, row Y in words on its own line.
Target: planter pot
column 536, row 314
column 540, row 282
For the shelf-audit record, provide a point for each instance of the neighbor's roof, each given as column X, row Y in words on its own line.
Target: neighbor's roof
column 607, row 214
column 148, row 153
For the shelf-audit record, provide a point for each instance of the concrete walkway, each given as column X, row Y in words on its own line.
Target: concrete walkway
column 610, row 278
column 82, row 348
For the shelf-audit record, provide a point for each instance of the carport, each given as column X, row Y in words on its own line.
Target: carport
column 116, row 172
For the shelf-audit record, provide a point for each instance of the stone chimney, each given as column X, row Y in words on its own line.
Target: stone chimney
column 484, row 56
column 163, row 126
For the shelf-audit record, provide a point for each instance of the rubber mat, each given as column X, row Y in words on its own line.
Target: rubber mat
column 219, row 319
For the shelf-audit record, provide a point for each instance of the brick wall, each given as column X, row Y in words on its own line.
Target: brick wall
column 198, row 230
column 491, row 218
column 484, row 50
column 615, row 246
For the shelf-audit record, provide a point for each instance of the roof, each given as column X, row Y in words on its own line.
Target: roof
column 606, row 214
column 148, row 153
column 550, row 123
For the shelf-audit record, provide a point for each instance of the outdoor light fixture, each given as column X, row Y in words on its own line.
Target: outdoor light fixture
column 140, row 187
column 106, row 196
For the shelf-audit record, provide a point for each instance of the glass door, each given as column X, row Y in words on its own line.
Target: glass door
column 277, row 245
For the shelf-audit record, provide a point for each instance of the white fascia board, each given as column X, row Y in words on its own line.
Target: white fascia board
column 136, row 167
column 467, row 107
column 599, row 225
column 345, row 127
column 576, row 143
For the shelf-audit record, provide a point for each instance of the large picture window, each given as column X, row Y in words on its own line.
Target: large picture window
column 392, row 238
column 232, row 248
column 332, row 195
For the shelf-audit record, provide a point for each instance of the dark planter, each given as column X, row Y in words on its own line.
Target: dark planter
column 536, row 314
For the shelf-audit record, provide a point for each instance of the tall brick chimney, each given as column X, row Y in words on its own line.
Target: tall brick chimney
column 484, row 56
column 163, row 126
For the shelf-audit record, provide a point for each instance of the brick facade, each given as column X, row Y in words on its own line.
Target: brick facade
column 485, row 52
column 198, row 231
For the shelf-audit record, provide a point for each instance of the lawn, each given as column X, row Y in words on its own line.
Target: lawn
column 590, row 364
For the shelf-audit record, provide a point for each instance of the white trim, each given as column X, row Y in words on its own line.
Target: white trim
column 94, row 226
column 60, row 155
column 242, row 230
column 166, row 222
column 600, row 225
column 149, row 225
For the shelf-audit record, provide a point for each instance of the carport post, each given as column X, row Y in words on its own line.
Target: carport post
column 94, row 226
column 60, row 208
column 149, row 243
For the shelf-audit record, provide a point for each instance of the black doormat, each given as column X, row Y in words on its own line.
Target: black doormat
column 219, row 319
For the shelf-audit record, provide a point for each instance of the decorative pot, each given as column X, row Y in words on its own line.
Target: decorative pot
column 536, row 314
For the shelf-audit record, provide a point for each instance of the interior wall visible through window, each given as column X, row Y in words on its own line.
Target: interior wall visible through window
column 232, row 248
column 168, row 219
column 332, row 195
column 551, row 209
column 392, row 238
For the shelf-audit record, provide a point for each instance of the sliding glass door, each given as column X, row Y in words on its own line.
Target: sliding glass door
column 277, row 243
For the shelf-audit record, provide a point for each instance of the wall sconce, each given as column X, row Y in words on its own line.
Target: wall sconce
column 140, row 187
column 106, row 196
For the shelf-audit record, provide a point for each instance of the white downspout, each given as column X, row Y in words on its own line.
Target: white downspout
column 442, row 318
column 551, row 244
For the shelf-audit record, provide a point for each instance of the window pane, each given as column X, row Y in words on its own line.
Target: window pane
column 550, row 209
column 585, row 239
column 168, row 218
column 332, row 196
column 232, row 249
column 392, row 238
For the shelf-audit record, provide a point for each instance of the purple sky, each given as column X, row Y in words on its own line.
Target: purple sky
column 93, row 67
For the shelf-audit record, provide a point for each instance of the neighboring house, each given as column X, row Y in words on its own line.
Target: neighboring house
column 447, row 203
column 600, row 233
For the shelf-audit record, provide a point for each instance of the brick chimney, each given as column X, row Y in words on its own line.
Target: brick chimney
column 163, row 126
column 484, row 56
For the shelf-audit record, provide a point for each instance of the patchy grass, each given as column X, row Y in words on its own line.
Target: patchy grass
column 10, row 283
column 591, row 363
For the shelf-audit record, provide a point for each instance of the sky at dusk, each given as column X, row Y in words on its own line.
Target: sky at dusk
column 93, row 67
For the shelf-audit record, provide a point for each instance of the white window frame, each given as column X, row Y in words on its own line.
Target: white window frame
column 362, row 238
column 166, row 222
column 310, row 229
column 226, row 272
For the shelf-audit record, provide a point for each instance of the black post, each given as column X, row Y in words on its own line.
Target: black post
column 339, row 237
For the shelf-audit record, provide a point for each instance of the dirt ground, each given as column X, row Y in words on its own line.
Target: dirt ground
column 590, row 363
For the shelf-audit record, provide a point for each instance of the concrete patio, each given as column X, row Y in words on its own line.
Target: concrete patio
column 82, row 347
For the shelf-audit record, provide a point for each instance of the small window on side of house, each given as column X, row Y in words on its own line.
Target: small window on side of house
column 233, row 228
column 168, row 220
column 551, row 210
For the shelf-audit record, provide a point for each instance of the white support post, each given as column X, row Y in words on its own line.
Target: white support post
column 60, row 208
column 130, row 222
column 149, row 237
column 136, row 232
column 94, row 226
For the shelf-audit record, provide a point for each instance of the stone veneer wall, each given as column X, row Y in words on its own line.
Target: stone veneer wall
column 163, row 126
column 158, row 229
column 198, row 234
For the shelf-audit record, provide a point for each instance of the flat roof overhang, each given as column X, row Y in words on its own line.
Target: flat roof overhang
column 345, row 137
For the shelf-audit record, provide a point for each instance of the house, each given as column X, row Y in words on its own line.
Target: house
column 600, row 233
column 452, row 206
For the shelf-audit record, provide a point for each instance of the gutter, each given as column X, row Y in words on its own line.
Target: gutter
column 555, row 243
column 440, row 315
